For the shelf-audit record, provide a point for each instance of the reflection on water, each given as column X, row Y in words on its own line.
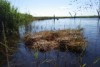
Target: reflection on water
column 25, row 57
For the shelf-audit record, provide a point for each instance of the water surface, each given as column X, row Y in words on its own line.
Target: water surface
column 24, row 57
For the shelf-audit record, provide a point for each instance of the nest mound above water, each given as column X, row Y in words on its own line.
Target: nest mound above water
column 71, row 40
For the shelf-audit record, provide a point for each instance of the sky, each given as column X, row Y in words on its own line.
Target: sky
column 57, row 7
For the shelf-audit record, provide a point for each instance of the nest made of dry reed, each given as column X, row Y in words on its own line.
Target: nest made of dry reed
column 71, row 40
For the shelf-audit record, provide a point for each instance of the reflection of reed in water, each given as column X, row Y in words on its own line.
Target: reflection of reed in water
column 98, row 25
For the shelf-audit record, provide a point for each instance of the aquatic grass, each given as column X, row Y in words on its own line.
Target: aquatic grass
column 36, row 54
column 72, row 40
column 84, row 65
column 4, row 45
column 96, row 60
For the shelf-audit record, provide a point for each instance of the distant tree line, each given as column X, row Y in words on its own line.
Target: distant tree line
column 10, row 16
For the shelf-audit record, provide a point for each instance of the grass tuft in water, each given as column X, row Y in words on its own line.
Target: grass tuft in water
column 70, row 39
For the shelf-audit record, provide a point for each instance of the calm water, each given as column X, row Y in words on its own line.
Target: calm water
column 25, row 57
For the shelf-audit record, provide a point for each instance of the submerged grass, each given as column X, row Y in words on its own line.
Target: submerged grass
column 70, row 39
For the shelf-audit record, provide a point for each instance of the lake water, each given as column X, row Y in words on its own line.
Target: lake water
column 25, row 57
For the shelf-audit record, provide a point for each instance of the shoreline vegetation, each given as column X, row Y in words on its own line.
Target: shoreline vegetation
column 70, row 39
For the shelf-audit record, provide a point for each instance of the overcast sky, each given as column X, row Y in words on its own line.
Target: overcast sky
column 57, row 7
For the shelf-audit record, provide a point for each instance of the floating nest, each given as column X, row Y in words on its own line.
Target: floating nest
column 71, row 40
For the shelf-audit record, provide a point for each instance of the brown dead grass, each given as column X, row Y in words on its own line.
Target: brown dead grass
column 71, row 40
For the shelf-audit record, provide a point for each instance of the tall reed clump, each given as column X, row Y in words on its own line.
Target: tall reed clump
column 10, row 16
column 5, row 45
column 10, row 19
